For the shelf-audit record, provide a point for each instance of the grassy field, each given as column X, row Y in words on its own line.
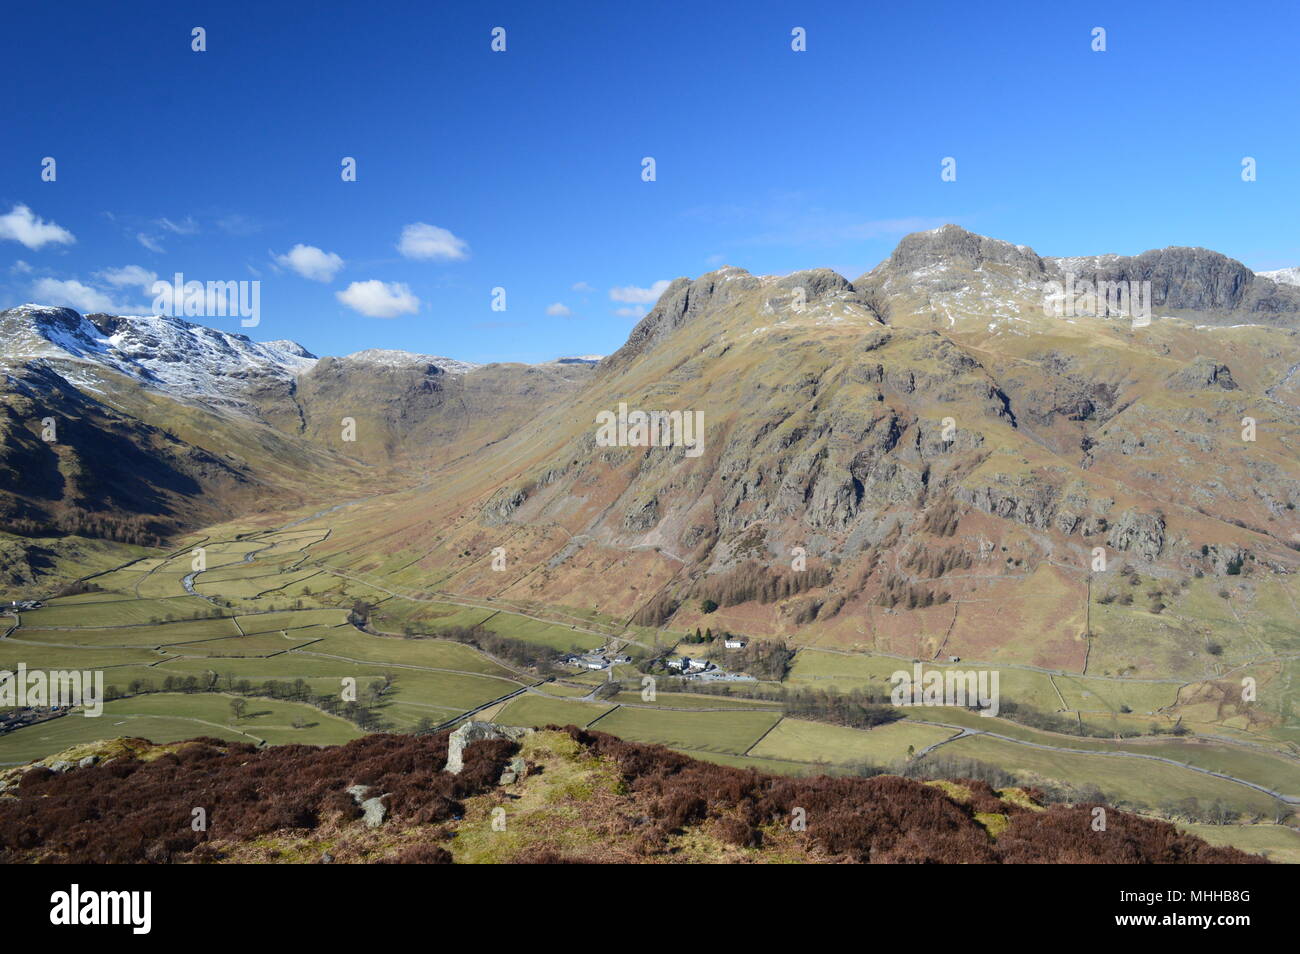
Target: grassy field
column 797, row 740
column 1276, row 842
column 170, row 717
column 690, row 700
column 1130, row 782
column 727, row 732
column 131, row 612
column 818, row 669
column 51, row 657
column 348, row 642
column 531, row 709
column 1260, row 767
column 155, row 635
column 278, row 613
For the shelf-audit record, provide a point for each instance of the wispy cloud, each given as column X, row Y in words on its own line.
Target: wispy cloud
column 129, row 276
column 639, row 296
column 187, row 226
column 76, row 294
column 149, row 242
column 558, row 310
column 797, row 219
column 238, row 224
column 583, row 288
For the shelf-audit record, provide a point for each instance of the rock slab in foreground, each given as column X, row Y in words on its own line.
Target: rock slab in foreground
column 478, row 732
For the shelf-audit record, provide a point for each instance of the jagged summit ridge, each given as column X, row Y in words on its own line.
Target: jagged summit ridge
column 818, row 295
column 956, row 274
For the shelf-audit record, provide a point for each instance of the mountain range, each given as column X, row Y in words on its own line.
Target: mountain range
column 946, row 454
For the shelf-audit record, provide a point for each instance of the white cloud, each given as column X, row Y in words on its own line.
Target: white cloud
column 20, row 267
column 129, row 276
column 22, row 225
column 639, row 296
column 424, row 241
column 558, row 310
column 583, row 287
column 632, row 311
column 73, row 294
column 149, row 242
column 379, row 299
column 311, row 262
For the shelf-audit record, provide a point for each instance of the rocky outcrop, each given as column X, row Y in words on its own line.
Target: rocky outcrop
column 1024, row 499
column 513, row 772
column 472, row 732
column 952, row 244
column 373, row 810
column 1211, row 285
column 502, row 506
column 1140, row 533
column 1201, row 375
column 682, row 301
column 817, row 283
column 1225, row 560
column 1197, row 282
column 643, row 516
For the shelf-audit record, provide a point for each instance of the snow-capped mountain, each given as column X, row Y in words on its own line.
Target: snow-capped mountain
column 1283, row 276
column 187, row 360
column 163, row 353
column 387, row 357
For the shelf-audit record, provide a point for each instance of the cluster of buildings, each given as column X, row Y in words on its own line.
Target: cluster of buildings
column 595, row 660
column 689, row 666
column 29, row 715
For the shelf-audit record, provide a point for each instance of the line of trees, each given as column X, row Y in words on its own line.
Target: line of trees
column 756, row 581
column 519, row 652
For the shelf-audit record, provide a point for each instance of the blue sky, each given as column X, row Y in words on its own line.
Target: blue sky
column 522, row 169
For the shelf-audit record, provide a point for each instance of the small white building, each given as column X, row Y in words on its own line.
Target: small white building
column 735, row 642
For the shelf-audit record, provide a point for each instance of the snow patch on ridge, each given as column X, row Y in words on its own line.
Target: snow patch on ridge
column 1283, row 276
column 392, row 358
column 161, row 352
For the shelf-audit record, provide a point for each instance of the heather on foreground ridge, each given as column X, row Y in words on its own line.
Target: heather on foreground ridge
column 582, row 796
